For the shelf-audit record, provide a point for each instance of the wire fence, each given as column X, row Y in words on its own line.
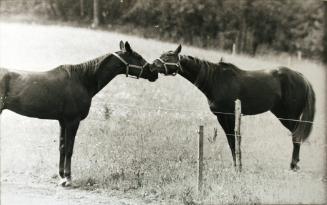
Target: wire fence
column 198, row 111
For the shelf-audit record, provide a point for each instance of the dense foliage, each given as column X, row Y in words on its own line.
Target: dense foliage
column 254, row 25
column 325, row 34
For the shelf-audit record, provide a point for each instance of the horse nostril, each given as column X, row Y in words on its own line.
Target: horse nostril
column 152, row 67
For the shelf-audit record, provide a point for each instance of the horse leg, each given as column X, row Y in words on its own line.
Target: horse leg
column 291, row 126
column 71, row 129
column 228, row 125
column 295, row 156
column 62, row 153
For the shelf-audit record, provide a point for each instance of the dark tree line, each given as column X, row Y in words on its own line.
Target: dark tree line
column 253, row 25
column 325, row 34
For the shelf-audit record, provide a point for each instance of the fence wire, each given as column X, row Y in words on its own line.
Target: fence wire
column 197, row 111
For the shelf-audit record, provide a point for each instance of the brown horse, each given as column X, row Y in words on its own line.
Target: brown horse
column 65, row 93
column 286, row 93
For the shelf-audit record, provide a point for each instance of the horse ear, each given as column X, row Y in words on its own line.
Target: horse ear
column 128, row 47
column 178, row 49
column 122, row 46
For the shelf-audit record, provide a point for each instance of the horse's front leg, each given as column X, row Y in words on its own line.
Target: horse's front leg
column 62, row 180
column 71, row 129
column 227, row 122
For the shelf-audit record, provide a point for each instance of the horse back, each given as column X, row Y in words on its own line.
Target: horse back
column 43, row 95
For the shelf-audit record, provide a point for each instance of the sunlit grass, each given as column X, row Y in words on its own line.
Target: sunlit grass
column 152, row 153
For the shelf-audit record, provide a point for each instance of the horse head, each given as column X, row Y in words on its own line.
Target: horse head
column 168, row 63
column 135, row 64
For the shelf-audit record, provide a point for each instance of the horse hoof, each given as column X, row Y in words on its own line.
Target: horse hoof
column 295, row 167
column 68, row 182
column 62, row 182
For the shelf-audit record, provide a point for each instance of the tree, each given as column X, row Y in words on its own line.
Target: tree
column 325, row 34
column 96, row 13
column 81, row 2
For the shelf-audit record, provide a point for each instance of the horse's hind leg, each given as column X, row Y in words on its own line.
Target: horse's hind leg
column 291, row 126
column 295, row 156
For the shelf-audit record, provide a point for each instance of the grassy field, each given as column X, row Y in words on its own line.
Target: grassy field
column 129, row 147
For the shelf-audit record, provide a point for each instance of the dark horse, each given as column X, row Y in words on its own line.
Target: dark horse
column 65, row 93
column 286, row 93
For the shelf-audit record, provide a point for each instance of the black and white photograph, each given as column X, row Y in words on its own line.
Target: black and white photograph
column 171, row 102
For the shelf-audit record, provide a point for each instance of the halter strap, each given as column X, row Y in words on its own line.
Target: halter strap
column 131, row 66
column 165, row 64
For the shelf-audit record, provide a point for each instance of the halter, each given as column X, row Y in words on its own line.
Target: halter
column 131, row 66
column 165, row 64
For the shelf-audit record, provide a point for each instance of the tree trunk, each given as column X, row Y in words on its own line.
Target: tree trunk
column 53, row 10
column 96, row 13
column 255, row 45
column 241, row 31
column 81, row 3
column 61, row 10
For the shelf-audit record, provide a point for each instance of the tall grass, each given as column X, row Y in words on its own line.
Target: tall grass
column 127, row 145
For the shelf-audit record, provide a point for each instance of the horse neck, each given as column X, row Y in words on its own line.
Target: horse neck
column 106, row 71
column 197, row 72
column 96, row 74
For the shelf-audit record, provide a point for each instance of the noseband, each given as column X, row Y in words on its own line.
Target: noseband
column 141, row 68
column 165, row 64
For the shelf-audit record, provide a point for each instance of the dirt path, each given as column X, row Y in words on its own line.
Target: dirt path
column 36, row 194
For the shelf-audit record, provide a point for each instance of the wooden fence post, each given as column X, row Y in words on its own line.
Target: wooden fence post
column 234, row 49
column 237, row 130
column 200, row 163
column 299, row 55
column 289, row 61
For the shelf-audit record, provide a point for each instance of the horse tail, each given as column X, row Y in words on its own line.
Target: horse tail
column 304, row 126
column 4, row 81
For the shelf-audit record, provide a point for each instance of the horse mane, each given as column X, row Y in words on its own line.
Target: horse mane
column 201, row 63
column 206, row 72
column 87, row 68
column 228, row 65
column 209, row 73
column 210, row 65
